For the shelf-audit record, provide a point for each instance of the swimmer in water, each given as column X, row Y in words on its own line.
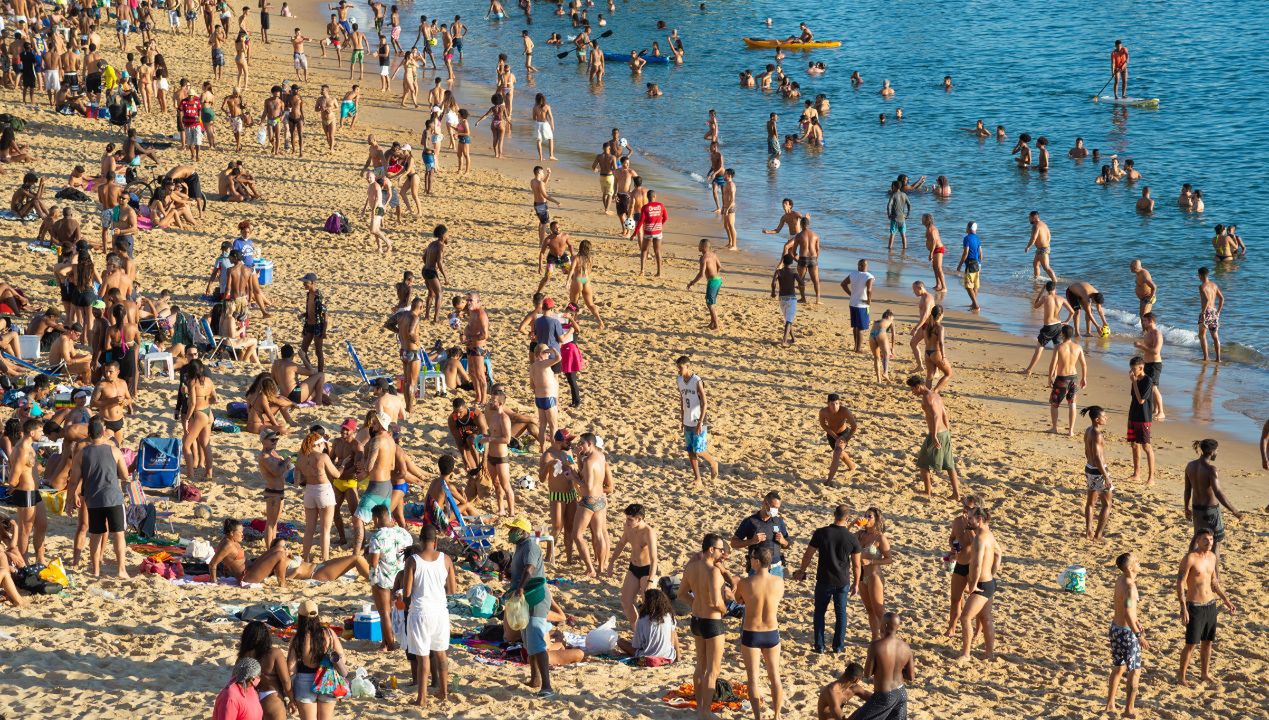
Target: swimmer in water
column 947, row 82
column 654, row 91
column 1000, row 132
column 979, row 130
column 898, row 113
column 856, row 80
column 1145, row 204
column 886, row 90
column 1079, row 152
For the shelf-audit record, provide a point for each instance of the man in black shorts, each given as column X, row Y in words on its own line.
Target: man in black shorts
column 703, row 583
column 96, row 473
column 314, row 319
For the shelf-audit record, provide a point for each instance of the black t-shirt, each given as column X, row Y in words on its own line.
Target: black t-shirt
column 835, row 544
column 1142, row 410
column 754, row 524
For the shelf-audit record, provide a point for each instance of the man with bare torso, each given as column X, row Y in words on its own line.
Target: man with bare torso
column 925, row 303
column 497, row 452
column 791, row 219
column 711, row 269
column 475, row 335
column 434, row 272
column 1145, row 289
column 642, row 571
column 761, row 592
column 984, row 565
column 891, row 664
column 1040, row 239
column 593, row 485
column 411, row 348
column 1051, row 307
column 1151, row 348
column 301, row 384
column 1204, row 495
column 935, row 454
column 1197, row 589
column 806, row 247
column 1084, row 299
column 1211, row 303
column 839, row 426
column 556, row 249
column 546, row 389
column 1068, row 374
column 541, row 196
column 112, row 400
column 703, row 583
column 381, row 461
column 1127, row 636
column 605, row 163
column 623, row 179
column 24, row 491
column 557, row 472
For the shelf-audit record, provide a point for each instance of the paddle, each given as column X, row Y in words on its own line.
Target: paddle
column 1099, row 92
column 604, row 34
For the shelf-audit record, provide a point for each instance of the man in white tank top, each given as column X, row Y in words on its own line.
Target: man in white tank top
column 695, row 429
column 429, row 577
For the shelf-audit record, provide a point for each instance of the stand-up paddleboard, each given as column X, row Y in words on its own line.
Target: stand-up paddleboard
column 794, row 45
column 1132, row 101
column 625, row 58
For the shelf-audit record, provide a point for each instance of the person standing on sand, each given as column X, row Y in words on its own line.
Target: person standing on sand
column 605, row 163
column 729, row 207
column 694, row 405
column 836, row 576
column 1203, row 493
column 527, row 565
column 761, row 593
column 925, row 305
column 891, row 664
column 1197, row 588
column 541, row 196
column 711, row 269
column 897, row 208
column 593, row 485
column 546, row 390
column 703, row 583
column 839, row 426
column 1051, row 307
column 1097, row 477
column 543, row 122
column 934, row 245
column 1151, row 347
column 1145, row 287
column 313, row 320
column 935, row 454
column 1127, row 636
column 650, row 229
column 1068, row 374
column 428, row 577
column 859, row 286
column 972, row 256
column 434, row 272
column 642, row 572
column 961, row 541
column 96, row 474
column 475, row 335
column 1140, row 413
column 1041, row 239
column 789, row 284
column 1211, row 303
column 984, row 566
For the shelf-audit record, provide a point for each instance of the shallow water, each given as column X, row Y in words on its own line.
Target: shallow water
column 1018, row 64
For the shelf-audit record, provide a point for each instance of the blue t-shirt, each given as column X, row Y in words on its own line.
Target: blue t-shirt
column 754, row 524
column 548, row 329
column 248, row 250
column 973, row 243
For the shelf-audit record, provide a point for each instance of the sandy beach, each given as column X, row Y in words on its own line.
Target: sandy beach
column 148, row 648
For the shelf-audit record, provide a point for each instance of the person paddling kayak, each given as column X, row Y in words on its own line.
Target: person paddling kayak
column 805, row 37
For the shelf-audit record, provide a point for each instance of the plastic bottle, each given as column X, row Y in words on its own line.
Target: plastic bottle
column 392, row 680
column 102, row 593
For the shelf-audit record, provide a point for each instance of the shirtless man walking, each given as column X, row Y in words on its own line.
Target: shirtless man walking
column 711, row 269
column 984, row 564
column 936, row 451
column 541, row 176
column 411, row 348
column 1145, row 287
column 592, row 503
column 1211, row 303
column 761, row 592
column 24, row 491
column 1127, row 636
column 925, row 303
column 605, row 163
column 497, row 451
column 475, row 335
column 1068, row 374
column 1204, row 495
column 703, row 583
column 1151, row 347
column 1040, row 239
column 546, row 390
column 1051, row 307
column 1197, row 588
column 1100, row 489
column 808, row 253
column 434, row 272
column 641, row 575
column 839, row 426
column 891, row 664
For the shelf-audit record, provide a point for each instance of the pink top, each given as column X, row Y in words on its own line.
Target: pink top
column 236, row 703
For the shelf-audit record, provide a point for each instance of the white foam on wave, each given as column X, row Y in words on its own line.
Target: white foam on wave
column 697, row 177
column 1171, row 335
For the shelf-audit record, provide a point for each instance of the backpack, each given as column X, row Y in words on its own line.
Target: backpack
column 336, row 223
column 189, row 493
column 12, row 122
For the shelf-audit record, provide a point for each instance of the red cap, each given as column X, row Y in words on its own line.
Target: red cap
column 548, row 303
column 349, row 424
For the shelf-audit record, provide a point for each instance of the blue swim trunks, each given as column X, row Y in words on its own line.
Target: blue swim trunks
column 859, row 317
column 695, row 442
column 545, row 403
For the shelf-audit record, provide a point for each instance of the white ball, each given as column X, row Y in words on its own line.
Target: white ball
column 622, row 142
column 630, row 224
column 774, row 163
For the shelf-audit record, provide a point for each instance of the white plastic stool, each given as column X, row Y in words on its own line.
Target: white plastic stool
column 544, row 537
column 164, row 358
column 267, row 345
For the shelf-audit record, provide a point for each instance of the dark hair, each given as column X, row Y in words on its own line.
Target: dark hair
column 773, row 495
column 1092, row 411
column 841, row 512
column 853, row 671
column 96, row 427
column 229, row 525
column 428, row 533
column 380, row 511
column 762, row 554
column 256, row 642
column 445, row 464
column 1206, row 446
column 634, row 510
column 1049, row 286
column 915, row 381
column 310, row 635
column 656, row 605
column 1121, row 562
column 710, row 540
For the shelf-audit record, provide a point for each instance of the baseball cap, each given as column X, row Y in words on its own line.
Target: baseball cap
column 548, row 303
column 563, row 435
column 384, row 421
column 308, row 608
column 973, row 227
column 269, row 434
column 518, row 524
column 348, row 424
column 310, row 277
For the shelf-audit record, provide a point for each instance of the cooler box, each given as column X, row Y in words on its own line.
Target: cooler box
column 366, row 627
column 264, row 270
column 159, row 462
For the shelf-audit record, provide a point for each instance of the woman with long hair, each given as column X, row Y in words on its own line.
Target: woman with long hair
column 316, row 471
column 655, row 634
column 936, row 350
column 84, row 282
column 275, row 680
column 265, row 404
column 579, row 285
column 230, row 559
column 881, row 344
column 875, row 553
column 312, row 644
column 571, row 361
column 200, row 393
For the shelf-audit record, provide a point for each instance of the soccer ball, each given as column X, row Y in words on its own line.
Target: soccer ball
column 623, row 142
column 773, row 163
column 630, row 224
column 1105, row 331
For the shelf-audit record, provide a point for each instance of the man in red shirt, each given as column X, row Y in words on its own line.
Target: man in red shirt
column 191, row 110
column 649, row 230
column 1119, row 70
column 239, row 700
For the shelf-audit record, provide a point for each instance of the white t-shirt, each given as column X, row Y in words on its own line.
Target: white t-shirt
column 859, row 288
column 691, row 399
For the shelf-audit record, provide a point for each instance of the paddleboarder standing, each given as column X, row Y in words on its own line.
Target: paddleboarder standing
column 1119, row 70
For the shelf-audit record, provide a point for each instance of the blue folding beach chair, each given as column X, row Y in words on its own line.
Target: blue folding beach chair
column 158, row 462
column 472, row 532
column 55, row 371
column 218, row 343
column 367, row 376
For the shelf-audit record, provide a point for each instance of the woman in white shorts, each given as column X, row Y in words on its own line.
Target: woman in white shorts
column 315, row 471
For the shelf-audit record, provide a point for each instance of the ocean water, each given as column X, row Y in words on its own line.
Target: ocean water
column 1026, row 65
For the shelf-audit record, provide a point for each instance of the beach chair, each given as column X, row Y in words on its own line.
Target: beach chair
column 475, row 533
column 430, row 372
column 489, row 369
column 55, row 371
column 367, row 376
column 159, row 462
column 217, row 343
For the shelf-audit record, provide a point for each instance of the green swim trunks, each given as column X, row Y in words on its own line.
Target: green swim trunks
column 937, row 459
column 358, row 57
column 711, row 290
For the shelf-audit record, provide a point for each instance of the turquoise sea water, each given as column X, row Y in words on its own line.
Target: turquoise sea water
column 1028, row 65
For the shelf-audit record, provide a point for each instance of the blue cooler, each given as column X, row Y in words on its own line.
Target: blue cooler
column 264, row 270
column 366, row 626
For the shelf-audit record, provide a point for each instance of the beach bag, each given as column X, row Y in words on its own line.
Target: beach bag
column 69, row 193
column 12, row 122
column 55, row 573
column 337, row 223
column 200, row 550
column 603, row 639
column 190, row 493
column 236, row 410
column 163, row 565
column 328, row 680
column 481, row 601
column 516, row 612
column 724, row 693
column 1073, row 579
column 360, row 685
column 262, row 135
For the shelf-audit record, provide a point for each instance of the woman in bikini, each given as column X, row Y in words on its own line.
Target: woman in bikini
column 875, row 554
column 200, row 393
column 275, row 678
column 499, row 126
column 264, row 405
column 579, row 281
column 935, row 350
column 230, row 559
column 315, row 471
column 463, row 132
column 240, row 58
column 410, row 79
column 934, row 244
column 234, row 331
column 881, row 344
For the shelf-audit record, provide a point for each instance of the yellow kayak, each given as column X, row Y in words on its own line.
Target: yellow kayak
column 761, row 43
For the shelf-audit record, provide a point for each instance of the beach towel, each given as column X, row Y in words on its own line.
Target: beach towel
column 10, row 215
column 684, row 698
